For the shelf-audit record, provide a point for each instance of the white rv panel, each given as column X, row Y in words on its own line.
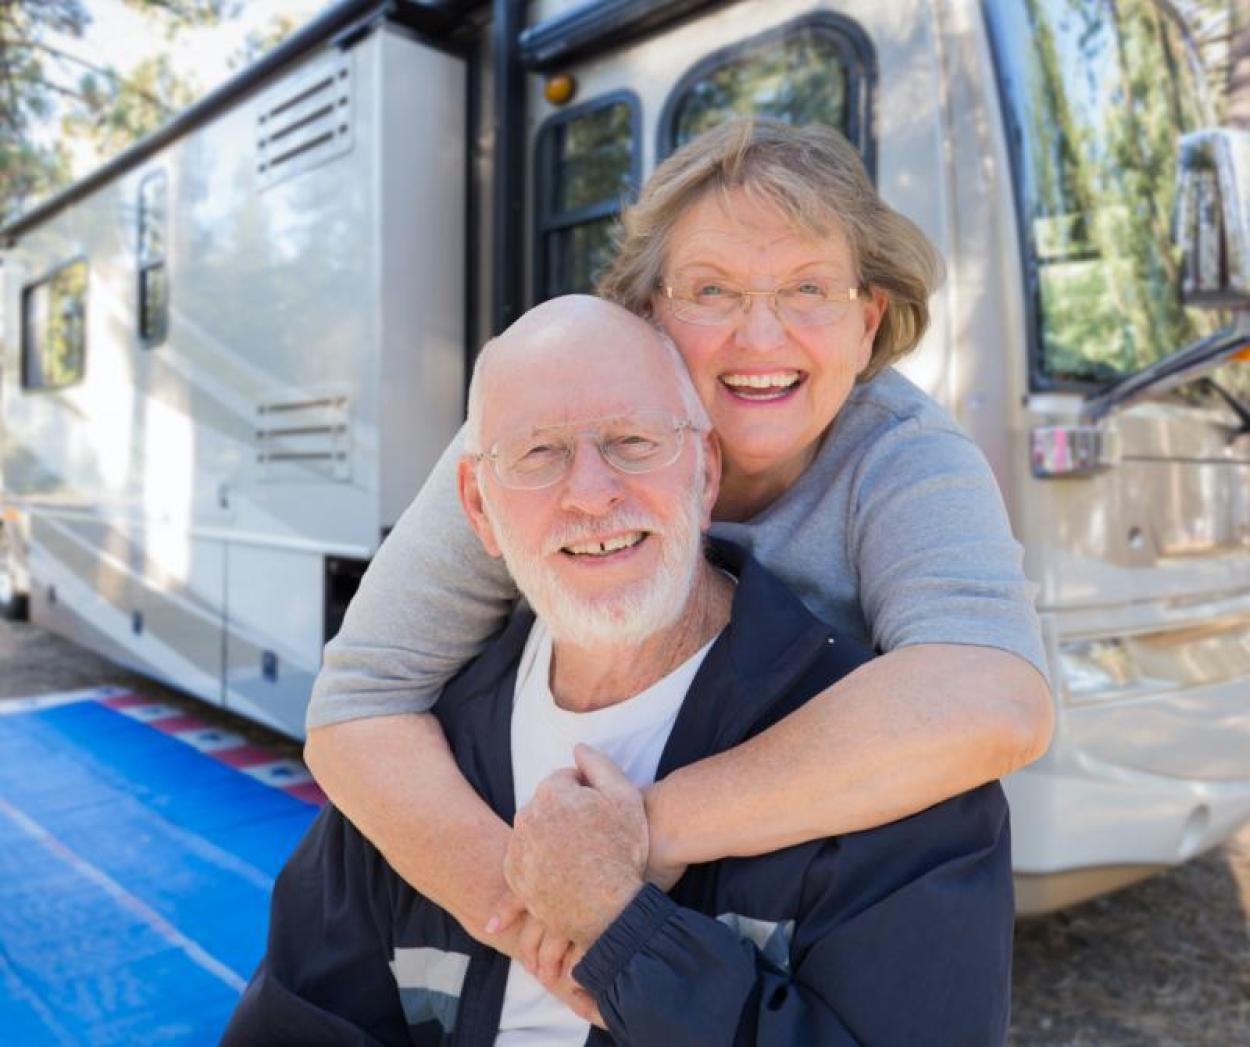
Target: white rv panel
column 420, row 250
column 273, row 643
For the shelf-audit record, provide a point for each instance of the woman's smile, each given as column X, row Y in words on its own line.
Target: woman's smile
column 773, row 384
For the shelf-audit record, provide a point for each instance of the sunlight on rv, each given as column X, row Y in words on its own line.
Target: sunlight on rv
column 113, row 435
column 169, row 464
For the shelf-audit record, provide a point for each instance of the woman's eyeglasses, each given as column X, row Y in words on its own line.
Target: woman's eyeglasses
column 804, row 303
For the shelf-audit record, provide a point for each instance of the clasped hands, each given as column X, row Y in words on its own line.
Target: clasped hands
column 578, row 854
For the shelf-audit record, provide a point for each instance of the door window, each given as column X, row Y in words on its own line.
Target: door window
column 587, row 167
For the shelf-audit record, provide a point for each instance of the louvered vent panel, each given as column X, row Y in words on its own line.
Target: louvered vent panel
column 296, row 437
column 305, row 121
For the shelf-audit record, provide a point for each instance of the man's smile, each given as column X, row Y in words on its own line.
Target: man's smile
column 601, row 548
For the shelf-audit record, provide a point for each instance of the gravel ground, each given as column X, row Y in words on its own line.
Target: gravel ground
column 1166, row 961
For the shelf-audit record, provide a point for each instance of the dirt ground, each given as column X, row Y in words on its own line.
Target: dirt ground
column 1166, row 961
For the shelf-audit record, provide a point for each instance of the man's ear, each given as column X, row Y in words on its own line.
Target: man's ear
column 471, row 499
column 711, row 475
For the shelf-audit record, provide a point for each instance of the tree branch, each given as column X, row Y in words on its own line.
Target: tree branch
column 119, row 81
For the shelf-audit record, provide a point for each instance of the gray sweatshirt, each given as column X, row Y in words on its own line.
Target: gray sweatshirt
column 896, row 534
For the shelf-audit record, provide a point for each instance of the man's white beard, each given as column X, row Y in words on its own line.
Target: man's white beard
column 626, row 615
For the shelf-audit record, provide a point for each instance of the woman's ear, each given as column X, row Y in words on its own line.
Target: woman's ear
column 873, row 310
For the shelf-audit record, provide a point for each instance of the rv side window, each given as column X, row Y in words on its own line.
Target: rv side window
column 153, row 276
column 814, row 70
column 54, row 328
column 587, row 165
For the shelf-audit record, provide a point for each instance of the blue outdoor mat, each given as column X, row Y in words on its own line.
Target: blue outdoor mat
column 135, row 874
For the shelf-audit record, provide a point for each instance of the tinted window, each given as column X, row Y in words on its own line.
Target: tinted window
column 153, row 278
column 588, row 165
column 800, row 76
column 54, row 328
column 1098, row 93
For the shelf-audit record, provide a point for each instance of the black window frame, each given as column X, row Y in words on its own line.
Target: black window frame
column 547, row 218
column 151, row 338
column 27, row 294
column 859, row 59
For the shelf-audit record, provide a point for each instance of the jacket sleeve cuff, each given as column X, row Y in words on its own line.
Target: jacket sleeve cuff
column 628, row 933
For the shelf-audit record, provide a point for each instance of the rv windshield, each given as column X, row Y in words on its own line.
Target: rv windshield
column 1097, row 93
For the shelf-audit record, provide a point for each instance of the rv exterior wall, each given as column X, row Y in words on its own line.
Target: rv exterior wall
column 180, row 493
column 419, row 247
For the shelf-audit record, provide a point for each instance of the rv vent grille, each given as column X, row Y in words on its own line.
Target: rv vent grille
column 298, row 437
column 305, row 121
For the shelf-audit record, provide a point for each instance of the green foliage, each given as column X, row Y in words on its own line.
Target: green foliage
column 257, row 42
column 1110, row 91
column 95, row 103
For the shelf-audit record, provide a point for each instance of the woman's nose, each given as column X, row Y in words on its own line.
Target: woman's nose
column 760, row 328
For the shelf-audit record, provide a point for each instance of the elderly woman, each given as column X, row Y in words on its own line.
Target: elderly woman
column 789, row 287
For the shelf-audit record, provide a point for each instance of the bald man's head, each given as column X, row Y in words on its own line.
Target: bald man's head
column 575, row 335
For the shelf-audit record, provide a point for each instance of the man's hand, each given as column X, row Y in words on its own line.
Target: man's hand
column 548, row 957
column 518, row 934
column 578, row 851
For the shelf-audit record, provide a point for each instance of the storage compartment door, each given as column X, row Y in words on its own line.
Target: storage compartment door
column 273, row 633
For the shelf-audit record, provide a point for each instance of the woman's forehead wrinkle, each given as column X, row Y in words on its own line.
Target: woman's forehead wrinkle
column 767, row 243
column 778, row 257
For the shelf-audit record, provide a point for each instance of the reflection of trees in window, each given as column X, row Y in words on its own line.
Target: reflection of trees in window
column 589, row 164
column 594, row 154
column 578, row 255
column 800, row 79
column 55, row 328
column 1109, row 91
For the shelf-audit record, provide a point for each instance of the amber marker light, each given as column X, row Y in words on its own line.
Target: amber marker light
column 1242, row 355
column 559, row 89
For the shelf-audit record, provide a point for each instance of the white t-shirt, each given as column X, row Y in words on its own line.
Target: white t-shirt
column 633, row 733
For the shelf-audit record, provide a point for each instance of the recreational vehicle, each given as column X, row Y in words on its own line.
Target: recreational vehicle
column 233, row 353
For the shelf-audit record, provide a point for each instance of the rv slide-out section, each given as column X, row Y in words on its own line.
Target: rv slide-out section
column 230, row 367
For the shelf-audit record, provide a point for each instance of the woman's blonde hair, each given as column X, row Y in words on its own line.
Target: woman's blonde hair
column 814, row 176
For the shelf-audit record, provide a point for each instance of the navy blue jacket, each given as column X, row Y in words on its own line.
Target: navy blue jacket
column 895, row 935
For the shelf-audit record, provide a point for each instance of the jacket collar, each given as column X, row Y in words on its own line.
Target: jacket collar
column 770, row 641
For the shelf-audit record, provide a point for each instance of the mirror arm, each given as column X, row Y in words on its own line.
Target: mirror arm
column 1236, row 405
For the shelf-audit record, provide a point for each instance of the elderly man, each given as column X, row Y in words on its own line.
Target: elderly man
column 593, row 474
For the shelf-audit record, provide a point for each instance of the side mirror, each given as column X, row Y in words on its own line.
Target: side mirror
column 1213, row 218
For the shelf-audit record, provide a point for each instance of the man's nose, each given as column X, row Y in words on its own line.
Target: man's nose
column 760, row 328
column 591, row 485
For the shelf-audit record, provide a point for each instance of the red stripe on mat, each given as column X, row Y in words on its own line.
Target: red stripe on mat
column 245, row 755
column 239, row 756
column 309, row 792
column 182, row 722
column 125, row 701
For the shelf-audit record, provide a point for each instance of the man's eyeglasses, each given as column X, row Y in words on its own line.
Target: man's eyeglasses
column 804, row 303
column 640, row 442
